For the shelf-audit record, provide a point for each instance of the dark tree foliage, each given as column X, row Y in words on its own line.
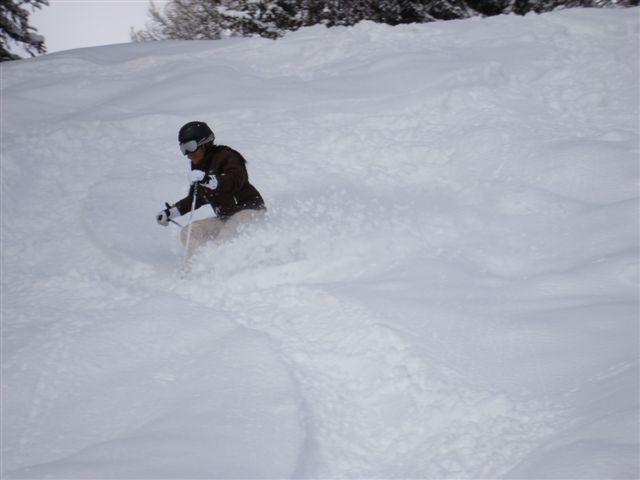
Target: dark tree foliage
column 15, row 28
column 489, row 7
column 213, row 19
column 183, row 20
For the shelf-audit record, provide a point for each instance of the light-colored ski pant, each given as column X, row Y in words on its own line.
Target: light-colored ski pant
column 215, row 229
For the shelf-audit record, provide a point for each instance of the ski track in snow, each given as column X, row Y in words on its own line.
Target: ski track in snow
column 446, row 285
column 376, row 405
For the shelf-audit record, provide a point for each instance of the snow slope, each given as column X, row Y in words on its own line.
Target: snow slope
column 446, row 285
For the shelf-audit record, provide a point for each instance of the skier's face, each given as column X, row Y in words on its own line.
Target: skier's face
column 197, row 156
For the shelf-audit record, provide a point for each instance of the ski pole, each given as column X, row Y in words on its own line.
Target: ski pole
column 193, row 207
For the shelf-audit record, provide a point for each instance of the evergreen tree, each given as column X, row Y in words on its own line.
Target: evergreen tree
column 491, row 7
column 212, row 19
column 183, row 20
column 14, row 27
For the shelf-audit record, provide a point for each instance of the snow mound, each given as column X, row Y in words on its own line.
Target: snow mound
column 446, row 285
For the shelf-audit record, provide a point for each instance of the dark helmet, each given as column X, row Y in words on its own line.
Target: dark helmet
column 198, row 131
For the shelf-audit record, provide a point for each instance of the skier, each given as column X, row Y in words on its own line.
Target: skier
column 219, row 178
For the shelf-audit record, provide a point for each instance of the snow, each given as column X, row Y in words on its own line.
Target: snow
column 446, row 285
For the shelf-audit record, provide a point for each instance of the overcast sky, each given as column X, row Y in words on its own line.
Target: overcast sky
column 68, row 24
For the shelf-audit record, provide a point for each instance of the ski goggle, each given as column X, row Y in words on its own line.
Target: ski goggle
column 192, row 145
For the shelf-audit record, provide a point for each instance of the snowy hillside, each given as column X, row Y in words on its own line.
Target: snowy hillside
column 446, row 285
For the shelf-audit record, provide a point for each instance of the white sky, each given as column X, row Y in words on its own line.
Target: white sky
column 68, row 24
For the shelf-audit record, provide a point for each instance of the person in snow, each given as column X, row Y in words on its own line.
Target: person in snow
column 219, row 178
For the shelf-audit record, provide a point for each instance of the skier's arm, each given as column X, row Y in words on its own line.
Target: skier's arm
column 214, row 188
column 184, row 205
column 231, row 179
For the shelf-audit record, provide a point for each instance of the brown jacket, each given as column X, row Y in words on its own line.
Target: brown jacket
column 233, row 193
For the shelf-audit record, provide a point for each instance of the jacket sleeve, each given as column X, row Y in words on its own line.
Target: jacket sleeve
column 231, row 176
column 184, row 205
column 234, row 173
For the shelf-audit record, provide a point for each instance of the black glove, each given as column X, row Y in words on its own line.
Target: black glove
column 165, row 216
